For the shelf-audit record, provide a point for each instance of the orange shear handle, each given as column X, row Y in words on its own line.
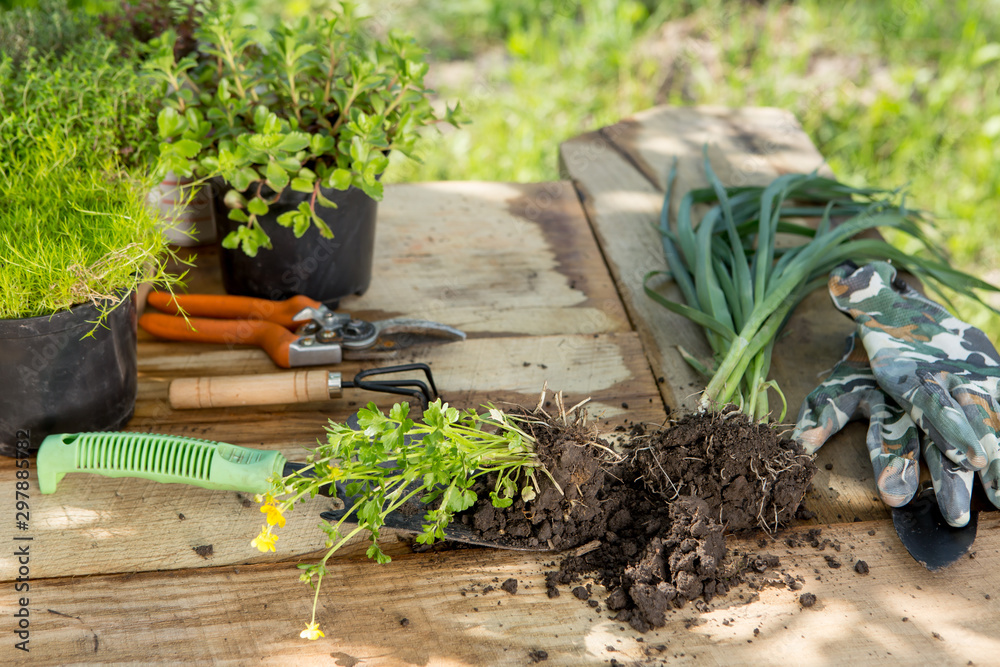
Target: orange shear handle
column 274, row 338
column 233, row 307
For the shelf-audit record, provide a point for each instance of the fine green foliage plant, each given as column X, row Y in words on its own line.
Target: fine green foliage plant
column 741, row 287
column 310, row 105
column 51, row 27
column 71, row 233
column 75, row 147
column 391, row 459
column 92, row 93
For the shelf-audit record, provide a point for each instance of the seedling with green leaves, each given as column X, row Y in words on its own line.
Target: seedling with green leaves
column 311, row 105
column 391, row 459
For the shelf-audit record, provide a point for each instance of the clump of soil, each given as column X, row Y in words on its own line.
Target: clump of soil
column 749, row 477
column 651, row 566
column 560, row 517
column 652, row 515
column 538, row 655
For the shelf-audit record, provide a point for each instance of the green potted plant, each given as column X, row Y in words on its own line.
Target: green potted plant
column 76, row 238
column 296, row 125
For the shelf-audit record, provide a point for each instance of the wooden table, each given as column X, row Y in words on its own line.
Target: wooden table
column 546, row 279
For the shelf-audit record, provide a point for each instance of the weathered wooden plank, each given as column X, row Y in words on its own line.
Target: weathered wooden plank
column 488, row 258
column 758, row 142
column 623, row 207
column 621, row 172
column 898, row 614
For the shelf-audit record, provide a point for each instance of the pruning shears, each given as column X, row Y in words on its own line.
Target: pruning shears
column 295, row 332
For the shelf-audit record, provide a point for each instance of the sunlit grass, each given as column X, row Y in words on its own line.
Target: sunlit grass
column 76, row 153
column 71, row 235
column 891, row 93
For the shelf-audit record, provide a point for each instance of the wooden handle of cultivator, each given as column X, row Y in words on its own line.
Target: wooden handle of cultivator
column 273, row 338
column 233, row 307
column 238, row 390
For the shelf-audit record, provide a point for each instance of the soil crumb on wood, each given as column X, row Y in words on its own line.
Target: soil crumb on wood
column 681, row 561
column 807, row 599
column 205, row 550
column 510, row 585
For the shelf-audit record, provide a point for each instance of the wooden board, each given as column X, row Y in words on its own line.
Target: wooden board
column 621, row 173
column 251, row 614
column 492, row 259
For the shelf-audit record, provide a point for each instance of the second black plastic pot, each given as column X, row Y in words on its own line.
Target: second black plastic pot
column 324, row 269
column 55, row 380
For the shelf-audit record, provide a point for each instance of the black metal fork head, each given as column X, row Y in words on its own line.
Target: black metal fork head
column 425, row 392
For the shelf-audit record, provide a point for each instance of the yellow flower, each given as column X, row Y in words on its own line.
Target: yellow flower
column 274, row 515
column 336, row 474
column 265, row 541
column 312, row 631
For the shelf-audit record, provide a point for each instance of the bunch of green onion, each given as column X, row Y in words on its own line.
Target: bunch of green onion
column 741, row 288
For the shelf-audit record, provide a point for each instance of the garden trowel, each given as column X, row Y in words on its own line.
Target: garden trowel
column 926, row 535
column 213, row 465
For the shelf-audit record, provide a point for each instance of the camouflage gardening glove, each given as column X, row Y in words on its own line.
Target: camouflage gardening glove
column 942, row 371
column 952, row 484
column 850, row 393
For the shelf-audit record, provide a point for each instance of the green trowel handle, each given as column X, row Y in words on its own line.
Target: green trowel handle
column 161, row 458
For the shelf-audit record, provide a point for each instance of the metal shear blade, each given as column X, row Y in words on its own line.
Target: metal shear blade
column 385, row 338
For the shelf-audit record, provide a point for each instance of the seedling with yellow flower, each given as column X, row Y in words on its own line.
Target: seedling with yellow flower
column 391, row 459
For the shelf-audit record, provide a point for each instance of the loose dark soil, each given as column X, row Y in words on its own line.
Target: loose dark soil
column 538, row 655
column 572, row 455
column 652, row 510
column 674, row 553
column 748, row 476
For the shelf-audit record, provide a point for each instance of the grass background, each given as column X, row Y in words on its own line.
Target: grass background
column 892, row 93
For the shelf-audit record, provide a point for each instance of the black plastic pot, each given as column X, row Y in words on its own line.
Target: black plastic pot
column 325, row 269
column 53, row 380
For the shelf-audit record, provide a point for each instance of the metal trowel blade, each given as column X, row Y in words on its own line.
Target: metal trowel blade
column 927, row 536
